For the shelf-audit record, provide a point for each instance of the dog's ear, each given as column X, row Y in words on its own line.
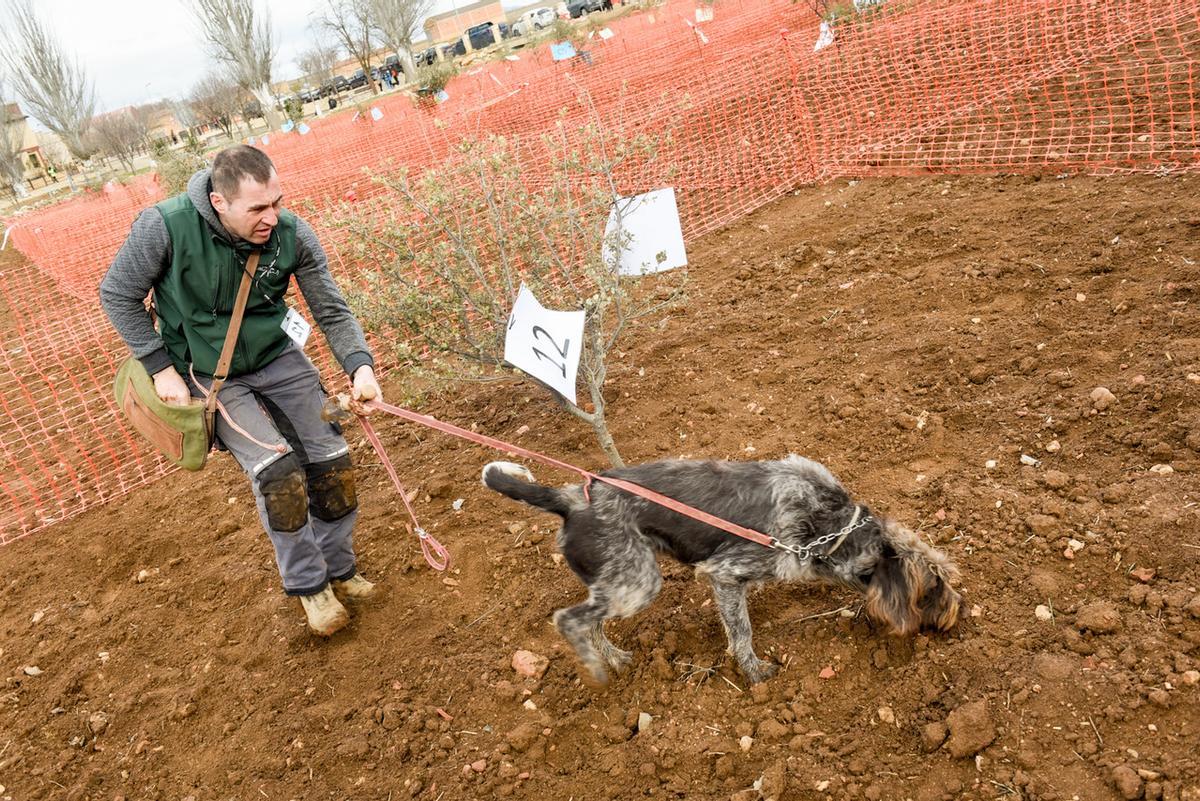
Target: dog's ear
column 910, row 586
column 890, row 596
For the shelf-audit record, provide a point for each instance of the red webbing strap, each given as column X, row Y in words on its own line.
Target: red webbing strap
column 435, row 553
column 635, row 489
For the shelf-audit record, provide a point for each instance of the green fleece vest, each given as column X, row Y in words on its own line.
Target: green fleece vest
column 196, row 295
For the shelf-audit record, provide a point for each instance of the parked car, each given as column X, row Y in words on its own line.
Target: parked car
column 533, row 20
column 359, row 78
column 485, row 34
column 334, row 85
column 310, row 95
column 577, row 8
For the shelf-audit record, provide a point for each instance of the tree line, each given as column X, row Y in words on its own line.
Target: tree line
column 55, row 89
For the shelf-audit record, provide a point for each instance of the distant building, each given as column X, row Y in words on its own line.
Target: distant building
column 25, row 138
column 452, row 24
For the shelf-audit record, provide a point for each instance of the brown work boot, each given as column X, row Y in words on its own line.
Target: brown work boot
column 355, row 588
column 325, row 612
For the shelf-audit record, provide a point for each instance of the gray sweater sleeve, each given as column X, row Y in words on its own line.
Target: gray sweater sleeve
column 139, row 264
column 337, row 322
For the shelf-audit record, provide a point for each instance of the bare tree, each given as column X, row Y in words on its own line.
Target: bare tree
column 120, row 134
column 351, row 21
column 240, row 37
column 12, row 172
column 318, row 61
column 396, row 22
column 54, row 86
column 217, row 99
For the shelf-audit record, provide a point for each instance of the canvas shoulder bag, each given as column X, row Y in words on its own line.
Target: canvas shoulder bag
column 183, row 433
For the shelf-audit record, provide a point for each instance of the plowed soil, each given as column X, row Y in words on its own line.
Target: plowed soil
column 919, row 337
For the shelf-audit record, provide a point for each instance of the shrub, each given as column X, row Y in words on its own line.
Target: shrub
column 448, row 250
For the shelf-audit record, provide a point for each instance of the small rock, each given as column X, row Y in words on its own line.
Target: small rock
column 774, row 781
column 1191, row 677
column 530, row 705
column 1162, row 469
column 979, row 373
column 616, row 733
column 479, row 765
column 457, row 505
column 32, row 670
column 1102, row 398
column 1075, row 545
column 1128, row 783
column 1043, row 613
column 643, row 722
column 771, row 730
column 527, row 663
column 933, row 735
column 746, row 742
column 1053, row 446
column 990, row 464
column 827, row 672
column 971, row 729
column 37, row 617
column 1055, row 479
column 1143, row 574
column 1160, row 698
column 97, row 723
column 1026, row 459
column 523, row 736
column 1100, row 617
column 1193, row 607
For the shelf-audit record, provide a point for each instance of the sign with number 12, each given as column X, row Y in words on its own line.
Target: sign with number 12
column 544, row 343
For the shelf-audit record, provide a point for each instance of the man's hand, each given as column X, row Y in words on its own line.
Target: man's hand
column 366, row 388
column 171, row 388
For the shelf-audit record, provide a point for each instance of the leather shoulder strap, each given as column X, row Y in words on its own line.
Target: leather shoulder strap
column 235, row 324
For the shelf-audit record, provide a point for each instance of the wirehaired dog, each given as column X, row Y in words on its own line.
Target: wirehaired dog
column 611, row 540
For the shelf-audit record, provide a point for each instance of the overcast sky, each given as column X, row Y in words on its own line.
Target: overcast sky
column 141, row 50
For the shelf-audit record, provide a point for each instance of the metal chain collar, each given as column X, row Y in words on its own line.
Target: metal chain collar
column 809, row 550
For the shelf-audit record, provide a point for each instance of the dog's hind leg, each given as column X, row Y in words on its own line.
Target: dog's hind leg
column 626, row 585
column 578, row 624
column 616, row 658
column 731, row 602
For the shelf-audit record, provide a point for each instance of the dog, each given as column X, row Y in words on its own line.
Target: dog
column 610, row 539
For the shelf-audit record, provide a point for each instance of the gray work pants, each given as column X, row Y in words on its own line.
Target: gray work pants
column 281, row 404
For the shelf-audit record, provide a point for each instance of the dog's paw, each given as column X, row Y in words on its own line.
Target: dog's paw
column 617, row 659
column 760, row 671
column 595, row 676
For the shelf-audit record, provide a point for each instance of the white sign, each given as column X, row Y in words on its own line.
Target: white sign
column 376, row 114
column 544, row 343
column 704, row 14
column 606, row 34
column 7, row 231
column 825, row 39
column 296, row 327
column 643, row 234
column 303, row 128
column 266, row 140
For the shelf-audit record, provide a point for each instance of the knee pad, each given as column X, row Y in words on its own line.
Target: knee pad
column 282, row 486
column 331, row 490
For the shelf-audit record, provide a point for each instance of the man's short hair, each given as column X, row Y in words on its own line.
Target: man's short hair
column 235, row 163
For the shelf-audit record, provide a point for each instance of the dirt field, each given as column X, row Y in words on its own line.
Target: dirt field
column 918, row 337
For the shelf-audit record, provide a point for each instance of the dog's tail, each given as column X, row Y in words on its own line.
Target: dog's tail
column 517, row 483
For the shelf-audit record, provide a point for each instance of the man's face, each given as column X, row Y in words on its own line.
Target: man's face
column 254, row 212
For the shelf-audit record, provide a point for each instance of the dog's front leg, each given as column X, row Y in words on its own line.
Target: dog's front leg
column 731, row 602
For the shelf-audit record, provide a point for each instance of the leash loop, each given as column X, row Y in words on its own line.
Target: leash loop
column 434, row 552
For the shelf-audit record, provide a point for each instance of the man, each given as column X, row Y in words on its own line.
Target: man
column 192, row 251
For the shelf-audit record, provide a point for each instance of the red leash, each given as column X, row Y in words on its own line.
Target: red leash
column 435, row 553
column 500, row 445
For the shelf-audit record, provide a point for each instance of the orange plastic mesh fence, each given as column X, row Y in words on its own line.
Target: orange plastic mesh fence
column 744, row 106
